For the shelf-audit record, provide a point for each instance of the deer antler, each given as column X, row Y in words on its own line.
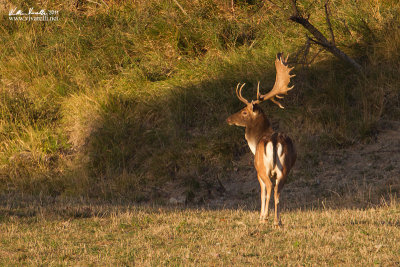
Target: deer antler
column 281, row 82
column 239, row 94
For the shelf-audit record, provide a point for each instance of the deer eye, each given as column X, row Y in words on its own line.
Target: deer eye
column 244, row 112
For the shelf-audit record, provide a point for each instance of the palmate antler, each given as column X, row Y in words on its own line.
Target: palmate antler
column 281, row 82
column 280, row 88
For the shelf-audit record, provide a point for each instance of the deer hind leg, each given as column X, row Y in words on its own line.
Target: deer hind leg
column 262, row 186
column 280, row 181
column 266, row 188
column 277, row 192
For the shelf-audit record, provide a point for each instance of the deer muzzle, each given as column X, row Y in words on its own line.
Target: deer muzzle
column 229, row 120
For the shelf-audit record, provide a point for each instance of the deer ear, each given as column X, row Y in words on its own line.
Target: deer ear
column 252, row 104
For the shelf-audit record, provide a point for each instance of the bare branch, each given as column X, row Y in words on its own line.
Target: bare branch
column 315, row 41
column 307, row 11
column 328, row 21
column 315, row 56
column 320, row 38
column 306, row 51
column 296, row 12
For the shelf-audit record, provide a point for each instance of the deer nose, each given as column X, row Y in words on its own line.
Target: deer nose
column 229, row 120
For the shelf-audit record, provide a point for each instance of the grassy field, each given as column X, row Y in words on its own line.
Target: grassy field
column 34, row 233
column 117, row 106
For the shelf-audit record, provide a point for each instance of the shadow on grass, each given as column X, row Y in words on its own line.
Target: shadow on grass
column 178, row 143
column 33, row 206
column 148, row 148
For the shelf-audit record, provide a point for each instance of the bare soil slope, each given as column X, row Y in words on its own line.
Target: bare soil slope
column 358, row 176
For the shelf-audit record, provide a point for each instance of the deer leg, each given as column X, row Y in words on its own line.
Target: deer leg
column 269, row 189
column 266, row 188
column 262, row 186
column 277, row 189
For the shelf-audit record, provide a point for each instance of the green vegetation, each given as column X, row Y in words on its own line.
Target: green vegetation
column 113, row 101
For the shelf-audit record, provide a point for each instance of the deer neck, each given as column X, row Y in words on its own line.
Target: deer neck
column 258, row 128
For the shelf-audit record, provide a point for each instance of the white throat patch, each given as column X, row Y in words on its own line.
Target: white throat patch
column 253, row 145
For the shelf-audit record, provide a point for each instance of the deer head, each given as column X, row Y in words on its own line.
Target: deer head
column 251, row 113
column 248, row 115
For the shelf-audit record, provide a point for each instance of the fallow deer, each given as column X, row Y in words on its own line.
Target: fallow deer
column 274, row 153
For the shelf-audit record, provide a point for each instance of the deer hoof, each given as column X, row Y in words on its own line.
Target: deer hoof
column 278, row 224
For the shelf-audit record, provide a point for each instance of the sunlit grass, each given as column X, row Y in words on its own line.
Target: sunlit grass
column 71, row 234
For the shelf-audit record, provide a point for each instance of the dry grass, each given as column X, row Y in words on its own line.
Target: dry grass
column 69, row 233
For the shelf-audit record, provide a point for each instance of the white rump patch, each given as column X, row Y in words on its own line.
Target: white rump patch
column 279, row 149
column 269, row 156
column 269, row 159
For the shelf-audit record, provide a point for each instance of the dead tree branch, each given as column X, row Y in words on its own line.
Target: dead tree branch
column 328, row 22
column 320, row 39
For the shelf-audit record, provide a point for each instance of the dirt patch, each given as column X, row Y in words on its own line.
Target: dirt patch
column 359, row 176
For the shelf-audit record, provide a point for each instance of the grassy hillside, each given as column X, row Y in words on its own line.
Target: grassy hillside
column 115, row 99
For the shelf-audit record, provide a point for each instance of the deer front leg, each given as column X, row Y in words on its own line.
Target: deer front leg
column 266, row 188
column 262, row 186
